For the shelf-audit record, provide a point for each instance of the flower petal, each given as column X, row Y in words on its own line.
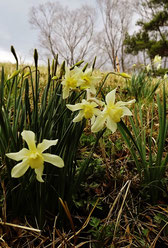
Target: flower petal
column 65, row 92
column 46, row 144
column 110, row 97
column 126, row 111
column 93, row 119
column 98, row 124
column 67, row 71
column 88, row 71
column 53, row 159
column 19, row 155
column 97, row 111
column 92, row 89
column 111, row 124
column 93, row 104
column 77, row 71
column 29, row 137
column 79, row 117
column 39, row 173
column 20, row 169
column 120, row 103
column 74, row 107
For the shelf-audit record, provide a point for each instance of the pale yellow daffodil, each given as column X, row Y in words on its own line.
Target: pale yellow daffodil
column 89, row 81
column 87, row 110
column 112, row 113
column 34, row 156
column 157, row 61
column 72, row 80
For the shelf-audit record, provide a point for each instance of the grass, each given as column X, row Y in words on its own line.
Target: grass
column 108, row 207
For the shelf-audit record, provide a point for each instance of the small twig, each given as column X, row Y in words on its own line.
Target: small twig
column 55, row 220
column 157, row 236
column 19, row 226
column 4, row 203
column 118, row 196
column 66, row 209
column 120, row 211
column 85, row 223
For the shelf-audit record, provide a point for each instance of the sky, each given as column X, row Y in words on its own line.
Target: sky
column 16, row 30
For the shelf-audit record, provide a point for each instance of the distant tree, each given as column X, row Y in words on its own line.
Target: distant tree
column 152, row 37
column 68, row 33
column 117, row 17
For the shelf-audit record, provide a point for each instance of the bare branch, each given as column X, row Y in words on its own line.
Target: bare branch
column 66, row 32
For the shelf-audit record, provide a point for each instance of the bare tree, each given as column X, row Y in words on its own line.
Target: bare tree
column 117, row 17
column 68, row 33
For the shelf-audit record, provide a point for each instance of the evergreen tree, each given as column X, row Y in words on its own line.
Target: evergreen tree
column 153, row 34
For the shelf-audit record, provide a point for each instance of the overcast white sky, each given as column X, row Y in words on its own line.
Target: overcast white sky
column 15, row 28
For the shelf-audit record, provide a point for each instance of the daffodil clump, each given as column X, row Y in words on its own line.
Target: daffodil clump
column 108, row 117
column 101, row 115
column 72, row 80
column 77, row 79
column 34, row 156
column 112, row 113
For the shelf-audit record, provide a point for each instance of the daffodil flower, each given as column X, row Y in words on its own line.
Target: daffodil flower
column 89, row 81
column 158, row 61
column 71, row 81
column 112, row 113
column 34, row 156
column 88, row 110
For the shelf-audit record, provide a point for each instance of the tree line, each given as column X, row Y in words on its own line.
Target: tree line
column 103, row 31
